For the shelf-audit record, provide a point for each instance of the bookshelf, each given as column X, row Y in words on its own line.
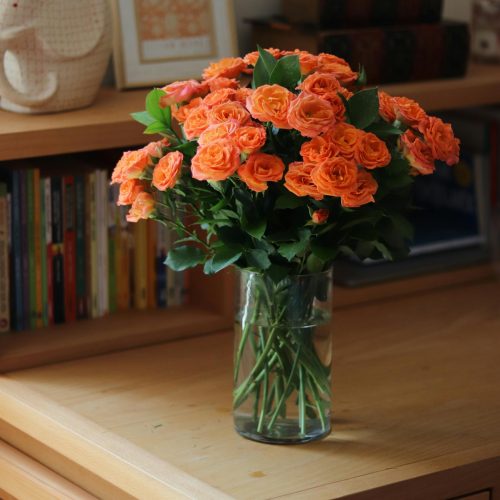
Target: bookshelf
column 107, row 124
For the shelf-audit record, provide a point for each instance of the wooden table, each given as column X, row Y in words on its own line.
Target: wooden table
column 416, row 412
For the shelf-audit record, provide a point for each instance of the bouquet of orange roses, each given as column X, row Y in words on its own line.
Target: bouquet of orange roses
column 284, row 162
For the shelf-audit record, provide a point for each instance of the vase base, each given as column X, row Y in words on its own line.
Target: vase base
column 287, row 432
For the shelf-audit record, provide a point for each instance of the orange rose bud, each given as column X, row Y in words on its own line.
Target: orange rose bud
column 298, row 180
column 270, row 103
column 228, row 67
column 250, row 139
column 219, row 97
column 196, row 122
column 338, row 67
column 259, row 169
column 167, row 170
column 129, row 191
column 142, row 207
column 228, row 111
column 386, row 106
column 221, row 82
column 366, row 186
column 371, row 152
column 180, row 91
column 344, row 138
column 335, row 177
column 318, row 150
column 311, row 115
column 181, row 113
column 218, row 131
column 131, row 165
column 155, row 149
column 439, row 137
column 216, row 161
column 417, row 153
column 408, row 111
column 320, row 216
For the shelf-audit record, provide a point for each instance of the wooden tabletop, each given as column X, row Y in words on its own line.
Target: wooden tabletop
column 416, row 398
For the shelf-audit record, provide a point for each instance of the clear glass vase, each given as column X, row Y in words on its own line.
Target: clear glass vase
column 282, row 357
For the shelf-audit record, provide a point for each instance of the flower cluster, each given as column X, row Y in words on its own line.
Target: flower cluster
column 303, row 127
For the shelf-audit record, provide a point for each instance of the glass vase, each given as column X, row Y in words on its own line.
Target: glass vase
column 282, row 357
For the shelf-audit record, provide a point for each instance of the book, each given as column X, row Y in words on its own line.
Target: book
column 140, row 265
column 162, row 246
column 58, row 249
column 124, row 262
column 151, row 263
column 69, row 238
column 113, row 245
column 92, row 242
column 80, row 249
column 43, row 254
column 25, row 248
column 4, row 261
column 37, row 321
column 102, row 242
column 49, row 306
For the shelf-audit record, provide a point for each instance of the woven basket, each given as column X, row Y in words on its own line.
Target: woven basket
column 53, row 53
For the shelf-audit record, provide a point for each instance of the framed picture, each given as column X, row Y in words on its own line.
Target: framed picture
column 160, row 41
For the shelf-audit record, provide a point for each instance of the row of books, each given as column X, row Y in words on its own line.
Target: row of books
column 67, row 252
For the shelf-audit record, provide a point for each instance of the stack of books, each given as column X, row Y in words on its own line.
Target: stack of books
column 67, row 252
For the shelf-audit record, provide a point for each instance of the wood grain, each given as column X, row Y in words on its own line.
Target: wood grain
column 416, row 405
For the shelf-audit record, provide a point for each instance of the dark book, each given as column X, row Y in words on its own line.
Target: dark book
column 328, row 14
column 58, row 249
column 25, row 250
column 69, row 239
column 388, row 54
column 80, row 260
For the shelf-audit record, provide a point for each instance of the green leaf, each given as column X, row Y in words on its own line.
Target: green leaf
column 289, row 201
column 290, row 250
column 223, row 257
column 258, row 259
column 362, row 108
column 155, row 128
column 268, row 60
column 277, row 273
column 315, row 264
column 167, row 116
column 402, row 225
column 383, row 130
column 361, row 81
column 383, row 250
column 153, row 104
column 286, row 72
column 188, row 148
column 260, row 74
column 255, row 228
column 323, row 252
column 143, row 117
column 184, row 257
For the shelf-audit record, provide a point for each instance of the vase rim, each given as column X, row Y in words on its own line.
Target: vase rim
column 306, row 275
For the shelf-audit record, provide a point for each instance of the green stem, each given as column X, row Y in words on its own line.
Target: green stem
column 317, row 402
column 264, row 392
column 302, row 406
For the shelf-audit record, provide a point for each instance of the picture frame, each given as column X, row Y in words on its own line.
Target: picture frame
column 160, row 41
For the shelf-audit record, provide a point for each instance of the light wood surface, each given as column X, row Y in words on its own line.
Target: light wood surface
column 107, row 122
column 25, row 479
column 416, row 409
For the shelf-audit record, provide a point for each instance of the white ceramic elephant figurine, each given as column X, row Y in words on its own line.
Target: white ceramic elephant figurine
column 53, row 53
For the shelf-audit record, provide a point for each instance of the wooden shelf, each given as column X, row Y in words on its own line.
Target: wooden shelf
column 416, row 409
column 107, row 122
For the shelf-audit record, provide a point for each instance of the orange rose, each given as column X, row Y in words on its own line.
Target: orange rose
column 298, row 180
column 167, row 170
column 311, row 115
column 345, row 139
column 129, row 191
column 241, row 95
column 372, row 152
column 270, row 103
column 250, row 139
column 181, row 113
column 217, row 132
column 318, row 150
column 215, row 162
column 180, row 91
column 335, row 177
column 439, row 137
column 363, row 191
column 196, row 122
column 418, row 154
column 408, row 111
column 338, row 67
column 219, row 97
column 228, row 67
column 228, row 111
column 320, row 216
column 155, row 149
column 131, row 165
column 221, row 82
column 307, row 61
column 259, row 169
column 324, row 85
column 142, row 207
column 386, row 106
column 252, row 57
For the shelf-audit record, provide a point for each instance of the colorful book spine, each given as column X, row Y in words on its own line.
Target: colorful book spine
column 37, row 250
column 140, row 265
column 124, row 257
column 151, row 263
column 80, row 257
column 49, row 306
column 112, row 248
column 17, row 305
column 102, row 242
column 4, row 261
column 93, row 309
column 25, row 287
column 69, row 248
column 43, row 253
column 30, row 201
column 58, row 249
